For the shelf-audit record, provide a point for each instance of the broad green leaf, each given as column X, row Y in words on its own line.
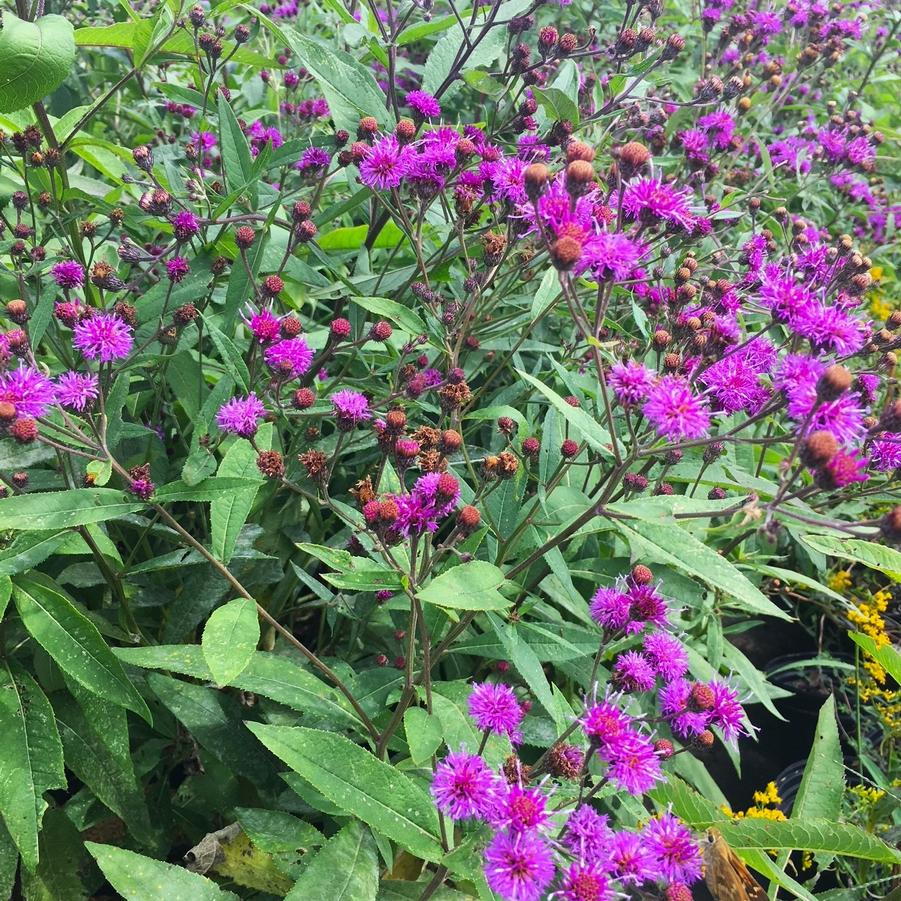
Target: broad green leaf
column 877, row 556
column 346, row 869
column 397, row 890
column 547, row 293
column 63, row 860
column 886, row 656
column 820, row 793
column 216, row 721
column 269, row 675
column 442, row 56
column 689, row 805
column 229, row 512
column 675, row 546
column 469, row 586
column 35, row 58
column 73, row 641
column 30, row 549
column 818, row 836
column 424, row 734
column 275, row 831
column 44, row 511
column 349, row 87
column 356, row 781
column 237, row 164
column 9, row 862
column 229, row 639
column 370, row 579
column 31, row 758
column 208, row 490
column 139, row 878
column 393, row 311
column 596, row 435
column 229, row 354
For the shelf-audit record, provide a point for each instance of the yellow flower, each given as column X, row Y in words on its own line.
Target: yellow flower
column 840, row 581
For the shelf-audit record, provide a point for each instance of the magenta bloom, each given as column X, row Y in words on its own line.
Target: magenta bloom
column 77, row 390
column 519, row 867
column 885, row 454
column 675, row 412
column 314, row 159
column 423, row 104
column 102, row 337
column 666, row 655
column 677, row 853
column 265, row 326
column 651, row 201
column 585, row 882
column 634, row 672
column 588, row 834
column 631, row 382
column 726, row 711
column 434, row 496
column 291, row 358
column 177, row 268
column 28, row 390
column 519, row 809
column 842, row 470
column 830, row 328
column 610, row 608
column 634, row 765
column 633, row 863
column 241, row 415
column 606, row 724
column 68, row 274
column 185, row 225
column 676, row 706
column 494, row 707
column 351, row 408
column 610, row 256
column 386, row 164
column 463, row 786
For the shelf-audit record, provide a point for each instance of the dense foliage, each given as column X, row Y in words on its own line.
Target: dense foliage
column 449, row 450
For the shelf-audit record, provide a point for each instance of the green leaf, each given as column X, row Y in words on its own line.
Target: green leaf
column 269, row 675
column 35, row 58
column 886, row 656
column 229, row 512
column 31, row 758
column 139, row 878
column 44, row 511
column 819, row 836
column 63, row 860
column 597, row 437
column 675, row 546
column 346, row 869
column 469, row 586
column 29, row 549
column 73, row 641
column 349, row 87
column 228, row 352
column 820, row 793
column 547, row 293
column 9, row 862
column 229, row 639
column 208, row 490
column 393, row 311
column 352, row 778
column 424, row 734
column 442, row 56
column 275, row 831
column 236, row 159
column 876, row 556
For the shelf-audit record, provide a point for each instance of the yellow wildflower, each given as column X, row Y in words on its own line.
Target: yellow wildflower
column 840, row 581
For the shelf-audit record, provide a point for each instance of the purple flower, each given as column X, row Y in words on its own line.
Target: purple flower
column 631, row 381
column 677, row 853
column 726, row 711
column 241, row 415
column 423, row 104
column 610, row 608
column 386, row 164
column 351, row 408
column 68, row 274
column 606, row 724
column 842, row 470
column 666, row 655
column 314, row 159
column 676, row 707
column 265, row 326
column 587, row 835
column 650, row 201
column 646, row 605
column 885, row 454
column 494, row 706
column 177, row 268
column 28, row 390
column 634, row 672
column 77, row 390
column 463, row 786
column 610, row 256
column 102, row 337
column 830, row 328
column 675, row 412
column 584, row 882
column 634, row 765
column 290, row 358
column 519, row 809
column 633, row 863
column 185, row 225
column 519, row 867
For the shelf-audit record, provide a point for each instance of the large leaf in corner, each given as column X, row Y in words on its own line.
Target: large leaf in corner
column 469, row 586
column 35, row 58
column 346, row 869
column 353, row 779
